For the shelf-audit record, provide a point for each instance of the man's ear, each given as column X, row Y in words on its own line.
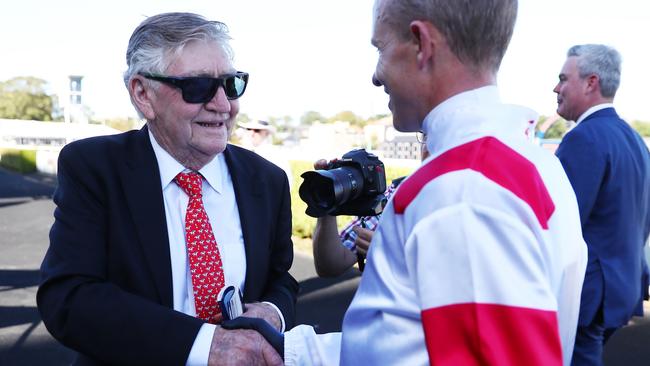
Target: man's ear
column 427, row 39
column 141, row 96
column 593, row 84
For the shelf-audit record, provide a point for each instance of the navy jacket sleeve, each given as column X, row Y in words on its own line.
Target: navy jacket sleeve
column 105, row 321
column 264, row 204
column 106, row 287
column 282, row 288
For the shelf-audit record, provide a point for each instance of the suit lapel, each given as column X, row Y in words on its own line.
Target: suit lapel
column 141, row 179
column 246, row 185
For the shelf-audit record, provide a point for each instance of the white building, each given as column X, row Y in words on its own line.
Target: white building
column 47, row 138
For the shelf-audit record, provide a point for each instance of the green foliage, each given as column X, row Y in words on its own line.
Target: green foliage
column 377, row 117
column 281, row 124
column 643, row 128
column 25, row 98
column 243, row 118
column 303, row 225
column 122, row 123
column 348, row 116
column 22, row 161
column 396, row 172
column 288, row 120
column 540, row 122
column 310, row 117
column 557, row 129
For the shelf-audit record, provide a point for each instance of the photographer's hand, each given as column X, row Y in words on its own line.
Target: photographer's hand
column 364, row 237
column 320, row 164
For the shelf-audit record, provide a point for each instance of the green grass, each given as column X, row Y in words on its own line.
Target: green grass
column 22, row 161
column 303, row 225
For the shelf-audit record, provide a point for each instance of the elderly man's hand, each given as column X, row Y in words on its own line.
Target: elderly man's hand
column 264, row 311
column 241, row 347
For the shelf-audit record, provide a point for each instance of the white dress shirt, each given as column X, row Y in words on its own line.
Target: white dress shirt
column 593, row 110
column 221, row 206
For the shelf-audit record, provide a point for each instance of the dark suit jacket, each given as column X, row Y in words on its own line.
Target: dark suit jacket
column 106, row 287
column 609, row 168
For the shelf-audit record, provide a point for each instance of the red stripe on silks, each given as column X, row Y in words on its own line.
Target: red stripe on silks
column 494, row 160
column 490, row 334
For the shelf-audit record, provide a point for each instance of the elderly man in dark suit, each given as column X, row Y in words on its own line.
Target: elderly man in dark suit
column 151, row 225
column 609, row 168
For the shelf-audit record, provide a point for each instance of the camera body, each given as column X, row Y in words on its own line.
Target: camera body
column 353, row 185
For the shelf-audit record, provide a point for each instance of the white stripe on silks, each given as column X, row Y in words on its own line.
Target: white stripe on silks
column 441, row 247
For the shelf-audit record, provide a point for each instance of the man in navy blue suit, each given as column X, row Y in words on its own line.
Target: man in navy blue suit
column 150, row 225
column 608, row 165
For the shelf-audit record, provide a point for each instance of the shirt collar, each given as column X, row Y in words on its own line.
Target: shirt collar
column 474, row 113
column 593, row 110
column 169, row 167
column 486, row 94
column 215, row 171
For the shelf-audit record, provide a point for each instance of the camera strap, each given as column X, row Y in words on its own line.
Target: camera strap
column 361, row 259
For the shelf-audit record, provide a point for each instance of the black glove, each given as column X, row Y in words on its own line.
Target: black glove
column 275, row 338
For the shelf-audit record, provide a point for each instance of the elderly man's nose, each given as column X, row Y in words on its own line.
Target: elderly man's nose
column 219, row 102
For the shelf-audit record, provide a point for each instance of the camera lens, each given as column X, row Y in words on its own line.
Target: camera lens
column 347, row 184
column 323, row 190
column 320, row 191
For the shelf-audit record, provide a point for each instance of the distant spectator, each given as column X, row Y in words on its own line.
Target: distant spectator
column 258, row 138
column 608, row 165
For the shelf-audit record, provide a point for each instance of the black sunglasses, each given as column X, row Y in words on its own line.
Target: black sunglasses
column 201, row 89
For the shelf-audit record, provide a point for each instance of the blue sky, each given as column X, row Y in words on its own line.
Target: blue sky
column 311, row 54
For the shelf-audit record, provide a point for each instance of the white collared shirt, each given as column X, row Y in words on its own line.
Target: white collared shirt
column 221, row 206
column 593, row 110
column 489, row 221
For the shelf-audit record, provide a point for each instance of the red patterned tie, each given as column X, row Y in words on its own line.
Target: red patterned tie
column 202, row 250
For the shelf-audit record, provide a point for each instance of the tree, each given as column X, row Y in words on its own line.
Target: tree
column 348, row 116
column 281, row 124
column 287, row 119
column 274, row 121
column 122, row 123
column 310, row 117
column 643, row 128
column 557, row 129
column 243, row 118
column 25, row 98
column 377, row 117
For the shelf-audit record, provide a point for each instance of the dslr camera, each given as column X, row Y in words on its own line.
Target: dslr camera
column 353, row 185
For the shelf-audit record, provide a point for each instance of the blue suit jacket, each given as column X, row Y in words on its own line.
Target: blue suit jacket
column 106, row 288
column 608, row 165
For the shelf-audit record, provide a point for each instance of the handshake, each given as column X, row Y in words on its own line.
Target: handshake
column 234, row 317
column 275, row 338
